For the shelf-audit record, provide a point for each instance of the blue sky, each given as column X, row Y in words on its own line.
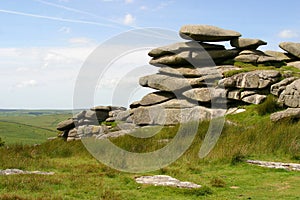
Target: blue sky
column 45, row 42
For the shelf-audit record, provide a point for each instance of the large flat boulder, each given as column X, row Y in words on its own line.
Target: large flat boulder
column 246, row 43
column 156, row 98
column 259, row 79
column 183, row 46
column 291, row 47
column 290, row 113
column 207, row 33
column 279, row 55
column 206, row 94
column 291, row 95
column 172, row 84
column 158, row 115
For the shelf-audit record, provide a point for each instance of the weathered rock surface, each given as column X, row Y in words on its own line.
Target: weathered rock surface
column 206, row 94
column 159, row 115
column 291, row 95
column 290, row 113
column 183, row 46
column 291, row 47
column 277, row 88
column 246, row 43
column 65, row 125
column 164, row 180
column 255, row 56
column 207, row 33
column 252, row 80
column 156, row 98
column 294, row 64
column 190, row 72
column 254, row 99
column 18, row 171
column 197, row 58
column 276, row 165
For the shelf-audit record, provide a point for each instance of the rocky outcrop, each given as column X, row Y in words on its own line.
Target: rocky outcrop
column 196, row 80
column 290, row 96
column 288, row 114
column 19, row 171
column 164, row 180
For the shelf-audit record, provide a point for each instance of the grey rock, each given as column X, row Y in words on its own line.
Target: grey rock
column 207, row 33
column 246, row 43
column 290, row 113
column 164, row 180
column 156, row 98
column 248, row 52
column 198, row 58
column 238, row 94
column 183, row 46
column 277, row 88
column 254, row 99
column 248, row 58
column 90, row 114
column 18, row 171
column 291, row 95
column 276, row 165
column 158, row 115
column 292, row 48
column 72, row 133
column 65, row 125
column 279, row 55
column 172, row 84
column 124, row 115
column 259, row 79
column 205, row 94
column 80, row 115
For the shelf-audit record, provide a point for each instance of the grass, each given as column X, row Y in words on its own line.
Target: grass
column 223, row 174
column 29, row 129
column 247, row 67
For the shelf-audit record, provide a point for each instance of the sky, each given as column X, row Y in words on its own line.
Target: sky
column 45, row 43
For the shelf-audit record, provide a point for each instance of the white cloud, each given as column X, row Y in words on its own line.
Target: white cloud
column 80, row 41
column 288, row 34
column 128, row 19
column 129, row 1
column 65, row 29
column 28, row 83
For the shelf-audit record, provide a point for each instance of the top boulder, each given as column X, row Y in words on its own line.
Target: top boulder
column 206, row 33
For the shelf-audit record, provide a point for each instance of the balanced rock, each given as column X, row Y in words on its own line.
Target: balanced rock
column 259, row 79
column 183, row 46
column 291, row 47
column 207, row 33
column 290, row 113
column 277, row 88
column 245, row 43
column 279, row 55
column 291, row 95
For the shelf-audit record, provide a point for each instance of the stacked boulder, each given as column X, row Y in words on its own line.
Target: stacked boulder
column 197, row 81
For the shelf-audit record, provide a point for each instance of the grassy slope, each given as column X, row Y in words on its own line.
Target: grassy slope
column 79, row 176
column 28, row 129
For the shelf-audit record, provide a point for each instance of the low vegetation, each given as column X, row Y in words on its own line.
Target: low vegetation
column 223, row 173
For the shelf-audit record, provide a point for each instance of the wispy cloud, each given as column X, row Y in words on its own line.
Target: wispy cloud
column 65, row 29
column 80, row 41
column 55, row 18
column 129, row 1
column 128, row 19
column 287, row 34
